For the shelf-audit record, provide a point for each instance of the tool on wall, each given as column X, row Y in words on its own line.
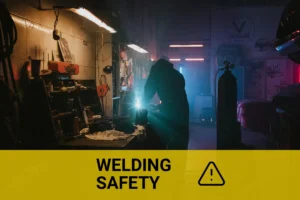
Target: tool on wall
column 108, row 69
column 45, row 71
column 65, row 50
column 102, row 90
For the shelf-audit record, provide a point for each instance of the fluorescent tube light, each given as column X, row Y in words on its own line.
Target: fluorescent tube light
column 185, row 45
column 175, row 59
column 90, row 16
column 194, row 59
column 137, row 48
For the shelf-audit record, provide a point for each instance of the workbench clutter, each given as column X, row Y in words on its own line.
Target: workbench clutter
column 63, row 67
column 102, row 90
column 113, row 134
column 75, row 117
column 112, row 129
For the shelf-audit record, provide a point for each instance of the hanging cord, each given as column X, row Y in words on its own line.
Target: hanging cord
column 8, row 38
column 100, row 46
column 103, row 80
column 56, row 12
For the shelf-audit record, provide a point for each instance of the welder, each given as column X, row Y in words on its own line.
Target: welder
column 172, row 121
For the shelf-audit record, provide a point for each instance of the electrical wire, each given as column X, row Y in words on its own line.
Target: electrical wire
column 100, row 65
column 101, row 46
column 56, row 12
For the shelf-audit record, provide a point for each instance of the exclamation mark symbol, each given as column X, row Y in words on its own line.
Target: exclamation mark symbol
column 211, row 173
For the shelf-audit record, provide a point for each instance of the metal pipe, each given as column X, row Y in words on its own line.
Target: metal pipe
column 101, row 61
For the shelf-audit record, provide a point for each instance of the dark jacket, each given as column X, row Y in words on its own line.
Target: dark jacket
column 169, row 84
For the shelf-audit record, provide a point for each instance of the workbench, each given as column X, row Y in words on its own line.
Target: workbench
column 150, row 142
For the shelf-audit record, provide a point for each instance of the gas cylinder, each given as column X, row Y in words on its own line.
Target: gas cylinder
column 228, row 134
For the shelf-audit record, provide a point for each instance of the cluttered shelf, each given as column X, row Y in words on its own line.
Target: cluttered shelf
column 80, row 121
column 70, row 91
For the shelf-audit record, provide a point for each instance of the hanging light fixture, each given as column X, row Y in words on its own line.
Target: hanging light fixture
column 185, row 45
column 90, row 16
column 175, row 59
column 194, row 59
column 137, row 48
column 84, row 13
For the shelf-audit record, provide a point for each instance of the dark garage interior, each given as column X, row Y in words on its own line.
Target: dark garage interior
column 140, row 74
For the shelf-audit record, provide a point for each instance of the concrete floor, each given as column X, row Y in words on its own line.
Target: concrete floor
column 204, row 137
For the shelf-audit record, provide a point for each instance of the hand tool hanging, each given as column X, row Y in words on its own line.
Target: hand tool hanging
column 102, row 90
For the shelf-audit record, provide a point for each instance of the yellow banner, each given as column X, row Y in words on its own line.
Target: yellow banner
column 139, row 175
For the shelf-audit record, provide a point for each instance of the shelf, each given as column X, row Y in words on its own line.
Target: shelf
column 71, row 91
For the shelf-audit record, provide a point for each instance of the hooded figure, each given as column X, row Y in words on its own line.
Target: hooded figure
column 169, row 84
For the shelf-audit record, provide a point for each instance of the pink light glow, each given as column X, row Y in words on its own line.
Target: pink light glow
column 298, row 74
column 185, row 45
column 194, row 59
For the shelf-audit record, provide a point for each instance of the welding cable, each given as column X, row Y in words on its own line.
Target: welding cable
column 56, row 12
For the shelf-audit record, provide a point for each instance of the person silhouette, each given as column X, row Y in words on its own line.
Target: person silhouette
column 169, row 84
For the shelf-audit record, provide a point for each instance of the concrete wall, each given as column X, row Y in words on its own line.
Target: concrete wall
column 188, row 23
column 215, row 25
column 261, row 25
column 35, row 39
column 138, row 20
column 104, row 58
column 220, row 26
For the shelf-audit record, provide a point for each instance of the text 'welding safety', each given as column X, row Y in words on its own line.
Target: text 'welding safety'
column 130, row 166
